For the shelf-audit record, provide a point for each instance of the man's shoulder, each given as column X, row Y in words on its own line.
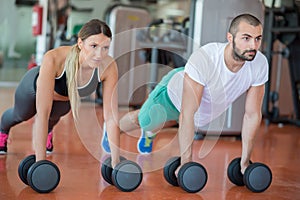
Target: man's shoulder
column 214, row 48
column 214, row 45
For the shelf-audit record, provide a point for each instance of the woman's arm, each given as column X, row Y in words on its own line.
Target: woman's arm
column 110, row 110
column 251, row 122
column 44, row 100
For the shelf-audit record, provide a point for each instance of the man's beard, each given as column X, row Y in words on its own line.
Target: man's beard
column 242, row 56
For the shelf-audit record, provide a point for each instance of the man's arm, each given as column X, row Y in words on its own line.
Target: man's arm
column 191, row 99
column 251, row 122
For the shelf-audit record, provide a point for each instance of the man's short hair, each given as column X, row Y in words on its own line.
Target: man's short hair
column 248, row 18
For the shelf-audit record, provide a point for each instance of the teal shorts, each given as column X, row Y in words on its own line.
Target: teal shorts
column 158, row 108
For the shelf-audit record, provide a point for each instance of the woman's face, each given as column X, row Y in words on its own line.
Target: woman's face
column 93, row 50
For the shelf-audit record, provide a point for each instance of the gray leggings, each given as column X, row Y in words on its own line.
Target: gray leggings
column 25, row 104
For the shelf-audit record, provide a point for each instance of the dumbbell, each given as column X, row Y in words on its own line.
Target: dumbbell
column 126, row 176
column 257, row 176
column 42, row 176
column 192, row 176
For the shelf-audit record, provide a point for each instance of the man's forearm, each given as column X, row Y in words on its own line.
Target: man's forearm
column 186, row 137
column 249, row 130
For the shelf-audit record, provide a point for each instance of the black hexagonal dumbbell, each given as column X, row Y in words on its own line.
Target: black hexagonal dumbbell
column 192, row 176
column 126, row 176
column 42, row 176
column 257, row 176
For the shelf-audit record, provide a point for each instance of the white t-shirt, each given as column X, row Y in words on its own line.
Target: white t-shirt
column 222, row 87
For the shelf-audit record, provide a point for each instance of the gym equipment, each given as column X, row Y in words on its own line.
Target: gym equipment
column 294, row 63
column 42, row 176
column 257, row 176
column 126, row 176
column 124, row 21
column 274, row 95
column 281, row 24
column 192, row 176
column 167, row 45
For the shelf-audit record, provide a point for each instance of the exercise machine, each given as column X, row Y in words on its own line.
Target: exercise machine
column 124, row 21
column 165, row 42
column 282, row 24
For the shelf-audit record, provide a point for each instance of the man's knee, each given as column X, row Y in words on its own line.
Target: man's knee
column 134, row 116
column 153, row 118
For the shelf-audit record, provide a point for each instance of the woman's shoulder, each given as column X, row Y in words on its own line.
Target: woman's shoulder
column 55, row 58
column 108, row 64
column 108, row 67
column 59, row 52
column 108, row 61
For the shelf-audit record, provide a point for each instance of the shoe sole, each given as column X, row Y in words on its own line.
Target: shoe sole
column 49, row 152
column 3, row 152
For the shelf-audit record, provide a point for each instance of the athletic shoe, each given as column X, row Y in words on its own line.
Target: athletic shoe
column 3, row 143
column 105, row 143
column 49, row 145
column 145, row 142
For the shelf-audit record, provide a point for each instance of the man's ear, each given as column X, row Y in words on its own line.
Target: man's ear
column 229, row 37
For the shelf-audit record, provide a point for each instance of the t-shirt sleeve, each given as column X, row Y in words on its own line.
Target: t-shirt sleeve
column 197, row 67
column 261, row 75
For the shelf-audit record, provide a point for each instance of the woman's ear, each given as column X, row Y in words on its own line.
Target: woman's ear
column 79, row 43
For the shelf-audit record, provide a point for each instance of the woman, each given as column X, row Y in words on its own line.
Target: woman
column 66, row 74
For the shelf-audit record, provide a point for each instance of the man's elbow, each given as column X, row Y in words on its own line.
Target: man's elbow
column 253, row 116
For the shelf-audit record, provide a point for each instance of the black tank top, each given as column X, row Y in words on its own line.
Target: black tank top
column 61, row 85
column 61, row 88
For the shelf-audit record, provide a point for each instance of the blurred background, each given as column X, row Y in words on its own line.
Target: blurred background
column 29, row 28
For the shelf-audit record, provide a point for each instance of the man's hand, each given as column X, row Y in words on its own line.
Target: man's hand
column 244, row 167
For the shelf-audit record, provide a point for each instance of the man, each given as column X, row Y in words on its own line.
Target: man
column 213, row 78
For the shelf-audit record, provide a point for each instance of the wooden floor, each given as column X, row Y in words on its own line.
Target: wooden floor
column 78, row 154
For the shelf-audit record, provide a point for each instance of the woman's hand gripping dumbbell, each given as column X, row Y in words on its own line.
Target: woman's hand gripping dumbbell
column 126, row 176
column 42, row 176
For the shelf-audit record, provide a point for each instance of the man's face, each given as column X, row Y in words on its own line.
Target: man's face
column 246, row 42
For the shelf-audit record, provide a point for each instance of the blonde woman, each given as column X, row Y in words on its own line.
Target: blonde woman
column 66, row 73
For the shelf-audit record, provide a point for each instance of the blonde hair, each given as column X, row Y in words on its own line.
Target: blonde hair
column 93, row 27
column 72, row 67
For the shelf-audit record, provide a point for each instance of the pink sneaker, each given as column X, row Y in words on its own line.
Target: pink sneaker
column 3, row 143
column 49, row 145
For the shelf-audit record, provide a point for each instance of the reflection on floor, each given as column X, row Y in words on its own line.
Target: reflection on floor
column 78, row 154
